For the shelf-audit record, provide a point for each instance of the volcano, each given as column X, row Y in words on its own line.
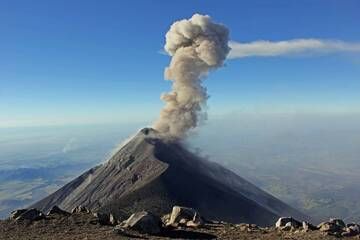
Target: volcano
column 149, row 173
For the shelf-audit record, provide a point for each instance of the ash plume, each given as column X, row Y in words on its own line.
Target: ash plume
column 290, row 48
column 197, row 46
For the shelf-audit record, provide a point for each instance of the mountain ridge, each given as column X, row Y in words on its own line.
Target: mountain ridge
column 150, row 173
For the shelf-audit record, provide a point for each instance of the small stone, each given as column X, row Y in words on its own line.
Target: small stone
column 243, row 227
column 253, row 225
column 183, row 221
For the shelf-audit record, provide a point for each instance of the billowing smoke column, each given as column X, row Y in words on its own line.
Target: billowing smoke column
column 197, row 45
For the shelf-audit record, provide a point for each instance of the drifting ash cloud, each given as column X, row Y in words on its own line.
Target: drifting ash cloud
column 198, row 46
column 292, row 47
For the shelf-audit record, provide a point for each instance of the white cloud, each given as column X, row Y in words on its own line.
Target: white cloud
column 292, row 47
column 70, row 145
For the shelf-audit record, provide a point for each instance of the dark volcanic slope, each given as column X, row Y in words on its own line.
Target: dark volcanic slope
column 149, row 174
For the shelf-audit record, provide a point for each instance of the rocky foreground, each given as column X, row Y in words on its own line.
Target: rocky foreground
column 181, row 223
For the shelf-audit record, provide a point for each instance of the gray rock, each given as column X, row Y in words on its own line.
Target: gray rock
column 182, row 215
column 330, row 227
column 166, row 218
column 338, row 222
column 287, row 227
column 334, row 226
column 193, row 224
column 56, row 210
column 113, row 221
column 283, row 221
column 14, row 214
column 352, row 224
column 348, row 233
column 352, row 229
column 355, row 228
column 102, row 218
column 80, row 209
column 105, row 219
column 326, row 226
column 197, row 219
column 143, row 222
column 31, row 214
column 183, row 221
column 308, row 226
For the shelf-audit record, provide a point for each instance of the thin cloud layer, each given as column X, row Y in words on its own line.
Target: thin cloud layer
column 290, row 47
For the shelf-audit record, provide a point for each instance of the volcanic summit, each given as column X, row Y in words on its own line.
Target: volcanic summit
column 153, row 174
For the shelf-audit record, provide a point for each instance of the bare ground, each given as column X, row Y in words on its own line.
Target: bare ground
column 85, row 226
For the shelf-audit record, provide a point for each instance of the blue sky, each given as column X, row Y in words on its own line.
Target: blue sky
column 66, row 62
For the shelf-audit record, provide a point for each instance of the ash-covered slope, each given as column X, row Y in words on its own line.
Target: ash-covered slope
column 150, row 174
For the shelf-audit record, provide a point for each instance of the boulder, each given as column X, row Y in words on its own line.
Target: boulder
column 354, row 227
column 143, row 222
column 351, row 229
column 183, row 221
column 288, row 226
column 113, row 221
column 330, row 227
column 326, row 226
column 166, row 218
column 289, row 221
column 308, row 226
column 56, row 210
column 197, row 219
column 352, row 224
column 31, row 214
column 80, row 209
column 348, row 233
column 183, row 215
column 102, row 218
column 14, row 214
column 338, row 222
column 334, row 225
column 105, row 219
column 193, row 224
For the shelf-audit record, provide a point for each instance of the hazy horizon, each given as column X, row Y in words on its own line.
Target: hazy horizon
column 316, row 151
